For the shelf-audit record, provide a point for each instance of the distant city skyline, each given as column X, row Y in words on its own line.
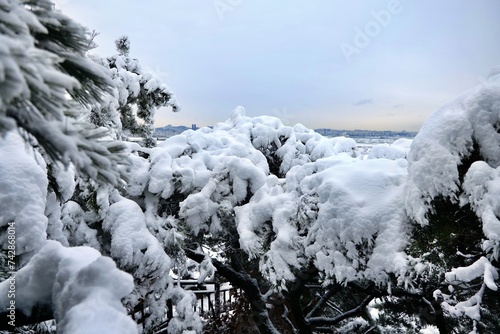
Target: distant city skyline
column 176, row 129
column 381, row 65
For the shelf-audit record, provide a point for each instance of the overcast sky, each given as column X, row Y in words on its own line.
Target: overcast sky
column 324, row 63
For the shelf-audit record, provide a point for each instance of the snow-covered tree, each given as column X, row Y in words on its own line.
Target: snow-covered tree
column 304, row 224
column 38, row 72
column 130, row 109
column 42, row 63
column 92, row 215
column 315, row 234
column 453, row 199
column 284, row 206
column 51, row 157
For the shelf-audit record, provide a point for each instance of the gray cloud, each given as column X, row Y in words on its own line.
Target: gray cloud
column 363, row 102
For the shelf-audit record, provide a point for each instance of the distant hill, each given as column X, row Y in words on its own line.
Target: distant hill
column 365, row 133
column 171, row 130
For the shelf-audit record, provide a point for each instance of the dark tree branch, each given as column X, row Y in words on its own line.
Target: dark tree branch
column 329, row 294
column 249, row 286
column 335, row 320
column 375, row 292
column 295, row 296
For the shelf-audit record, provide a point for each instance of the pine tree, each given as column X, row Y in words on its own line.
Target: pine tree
column 455, row 209
column 137, row 97
column 45, row 60
column 44, row 79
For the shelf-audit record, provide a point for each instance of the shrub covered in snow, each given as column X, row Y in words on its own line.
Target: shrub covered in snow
column 44, row 77
column 452, row 196
column 130, row 108
column 315, row 235
column 278, row 199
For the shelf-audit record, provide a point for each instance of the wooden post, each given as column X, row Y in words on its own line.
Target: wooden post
column 217, row 297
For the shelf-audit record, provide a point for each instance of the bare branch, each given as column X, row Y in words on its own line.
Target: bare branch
column 330, row 293
column 335, row 320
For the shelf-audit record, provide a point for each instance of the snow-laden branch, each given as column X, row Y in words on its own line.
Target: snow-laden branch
column 329, row 294
column 464, row 128
column 76, row 286
column 471, row 306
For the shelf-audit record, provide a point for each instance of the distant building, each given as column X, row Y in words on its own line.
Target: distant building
column 193, row 127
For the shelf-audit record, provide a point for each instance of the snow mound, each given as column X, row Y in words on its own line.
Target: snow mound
column 23, row 184
column 449, row 137
column 231, row 162
column 386, row 151
column 82, row 288
column 344, row 214
column 456, row 157
column 131, row 242
column 293, row 196
column 482, row 190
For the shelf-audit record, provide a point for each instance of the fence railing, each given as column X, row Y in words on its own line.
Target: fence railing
column 212, row 298
column 212, row 295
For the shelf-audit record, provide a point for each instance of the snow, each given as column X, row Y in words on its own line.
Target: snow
column 360, row 207
column 82, row 287
column 24, row 184
column 263, row 207
column 75, row 226
column 185, row 302
column 438, row 167
column 469, row 308
column 352, row 203
column 131, row 242
column 54, row 225
column 482, row 189
column 298, row 197
column 139, row 252
column 91, row 300
column 481, row 267
column 429, row 330
column 386, row 151
column 446, row 139
column 207, row 269
column 293, row 197
column 138, row 179
column 323, row 205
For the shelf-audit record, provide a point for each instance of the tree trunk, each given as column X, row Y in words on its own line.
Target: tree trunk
column 249, row 286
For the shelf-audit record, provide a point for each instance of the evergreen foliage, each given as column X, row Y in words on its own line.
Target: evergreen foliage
column 317, row 237
column 130, row 110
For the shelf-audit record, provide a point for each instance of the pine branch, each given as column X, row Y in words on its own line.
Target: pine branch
column 319, row 321
column 249, row 286
column 330, row 293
